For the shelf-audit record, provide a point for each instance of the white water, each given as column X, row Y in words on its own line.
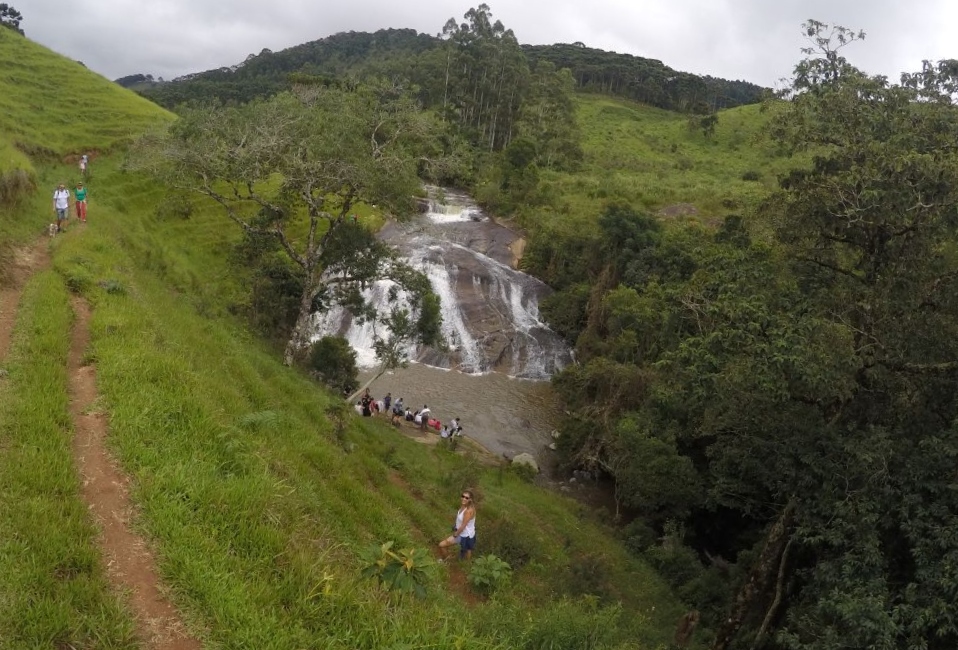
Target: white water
column 490, row 311
column 454, row 330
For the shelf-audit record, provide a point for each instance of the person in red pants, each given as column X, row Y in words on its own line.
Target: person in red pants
column 80, row 195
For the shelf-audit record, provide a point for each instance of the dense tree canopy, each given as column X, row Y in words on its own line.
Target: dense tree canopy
column 424, row 60
column 644, row 80
column 801, row 389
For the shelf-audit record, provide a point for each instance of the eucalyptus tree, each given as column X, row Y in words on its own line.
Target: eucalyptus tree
column 293, row 169
column 485, row 77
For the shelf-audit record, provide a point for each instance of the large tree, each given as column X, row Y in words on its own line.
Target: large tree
column 293, row 168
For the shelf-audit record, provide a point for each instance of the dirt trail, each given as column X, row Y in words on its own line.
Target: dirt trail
column 130, row 563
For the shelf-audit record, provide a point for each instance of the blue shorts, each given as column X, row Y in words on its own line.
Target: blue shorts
column 61, row 214
column 465, row 544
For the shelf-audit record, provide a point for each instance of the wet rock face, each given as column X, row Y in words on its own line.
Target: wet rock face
column 490, row 310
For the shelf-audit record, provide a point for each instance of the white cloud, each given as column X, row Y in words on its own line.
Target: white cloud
column 757, row 40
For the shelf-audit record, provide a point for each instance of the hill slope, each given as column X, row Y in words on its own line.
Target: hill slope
column 653, row 159
column 420, row 58
column 52, row 105
column 253, row 502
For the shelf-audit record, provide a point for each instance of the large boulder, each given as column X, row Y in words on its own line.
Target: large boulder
column 526, row 459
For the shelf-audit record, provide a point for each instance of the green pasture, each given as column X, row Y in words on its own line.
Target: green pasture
column 53, row 107
column 654, row 159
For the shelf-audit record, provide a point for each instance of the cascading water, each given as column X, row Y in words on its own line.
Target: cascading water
column 490, row 310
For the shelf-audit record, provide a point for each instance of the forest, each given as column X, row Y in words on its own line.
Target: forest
column 421, row 58
column 773, row 396
column 776, row 396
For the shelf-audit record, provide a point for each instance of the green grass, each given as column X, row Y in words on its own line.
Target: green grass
column 12, row 159
column 54, row 106
column 52, row 587
column 650, row 158
column 51, row 109
column 254, row 509
column 252, row 504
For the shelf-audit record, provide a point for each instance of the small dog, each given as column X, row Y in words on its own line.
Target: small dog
column 52, row 229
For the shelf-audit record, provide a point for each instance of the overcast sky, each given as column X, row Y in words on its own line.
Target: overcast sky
column 756, row 40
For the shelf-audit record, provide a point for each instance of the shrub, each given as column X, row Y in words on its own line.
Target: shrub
column 709, row 592
column 337, row 412
column 15, row 186
column 638, row 536
column 333, row 360
column 524, row 471
column 405, row 571
column 589, row 576
column 752, row 176
column 489, row 574
column 502, row 537
column 675, row 561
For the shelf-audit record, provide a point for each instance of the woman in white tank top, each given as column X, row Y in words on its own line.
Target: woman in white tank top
column 464, row 532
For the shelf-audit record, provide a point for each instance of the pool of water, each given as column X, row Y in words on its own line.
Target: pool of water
column 505, row 415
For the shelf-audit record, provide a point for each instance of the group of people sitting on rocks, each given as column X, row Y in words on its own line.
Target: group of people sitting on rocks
column 368, row 406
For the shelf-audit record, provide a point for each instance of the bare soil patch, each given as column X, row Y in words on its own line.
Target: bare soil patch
column 129, row 561
column 678, row 210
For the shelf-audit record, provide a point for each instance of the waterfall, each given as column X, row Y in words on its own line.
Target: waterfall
column 490, row 311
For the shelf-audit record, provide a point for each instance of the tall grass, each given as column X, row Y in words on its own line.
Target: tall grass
column 51, row 106
column 652, row 159
column 53, row 592
column 256, row 510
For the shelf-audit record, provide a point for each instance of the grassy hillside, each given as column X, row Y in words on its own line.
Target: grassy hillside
column 52, row 108
column 52, row 105
column 652, row 159
column 257, row 509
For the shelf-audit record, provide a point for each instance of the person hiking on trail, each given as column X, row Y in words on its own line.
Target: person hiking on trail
column 79, row 195
column 464, row 532
column 61, row 205
column 84, row 161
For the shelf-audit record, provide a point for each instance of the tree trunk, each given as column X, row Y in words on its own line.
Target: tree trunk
column 759, row 578
column 382, row 371
column 300, row 335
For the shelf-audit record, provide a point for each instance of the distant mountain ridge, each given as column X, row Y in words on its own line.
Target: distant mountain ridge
column 416, row 56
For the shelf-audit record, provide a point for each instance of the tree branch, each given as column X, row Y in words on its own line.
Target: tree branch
column 831, row 267
column 777, row 601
